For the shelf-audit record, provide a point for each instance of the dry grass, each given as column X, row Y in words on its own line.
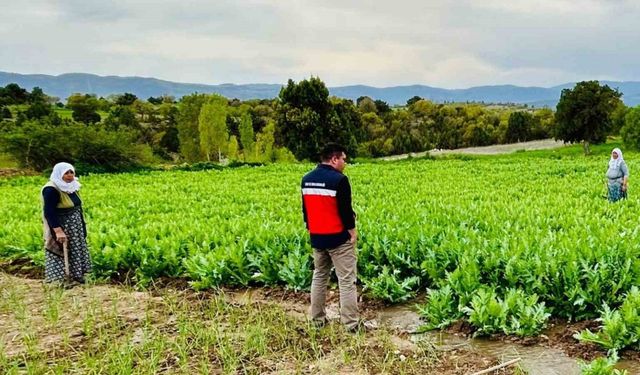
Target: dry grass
column 114, row 330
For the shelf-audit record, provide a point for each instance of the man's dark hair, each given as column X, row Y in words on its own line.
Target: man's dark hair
column 330, row 150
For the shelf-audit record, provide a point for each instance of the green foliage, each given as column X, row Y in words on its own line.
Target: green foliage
column 170, row 140
column 517, row 314
column 221, row 265
column 126, row 99
column 487, row 312
column 187, row 124
column 282, row 155
column 520, row 127
column 618, row 118
column 440, row 309
column 39, row 110
column 5, row 113
column 630, row 132
column 84, row 108
column 553, row 236
column 246, row 136
column 297, row 270
column 121, row 116
column 307, row 119
column 232, row 151
column 39, row 146
column 212, row 125
column 13, row 94
column 583, row 113
column 264, row 144
column 620, row 328
column 200, row 166
column 390, row 286
column 413, row 100
column 601, row 366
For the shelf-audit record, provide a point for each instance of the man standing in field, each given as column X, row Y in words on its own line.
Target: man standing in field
column 331, row 221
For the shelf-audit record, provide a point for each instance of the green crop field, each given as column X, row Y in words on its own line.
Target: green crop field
column 502, row 241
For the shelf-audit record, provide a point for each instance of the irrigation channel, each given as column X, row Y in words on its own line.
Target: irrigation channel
column 536, row 359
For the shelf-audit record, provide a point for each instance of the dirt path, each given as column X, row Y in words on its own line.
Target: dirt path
column 485, row 150
column 14, row 172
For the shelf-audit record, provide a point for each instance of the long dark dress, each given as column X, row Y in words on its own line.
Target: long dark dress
column 71, row 221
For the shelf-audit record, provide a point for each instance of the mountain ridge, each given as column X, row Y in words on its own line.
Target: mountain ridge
column 66, row 84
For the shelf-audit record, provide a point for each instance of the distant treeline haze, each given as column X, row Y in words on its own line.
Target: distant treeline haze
column 122, row 132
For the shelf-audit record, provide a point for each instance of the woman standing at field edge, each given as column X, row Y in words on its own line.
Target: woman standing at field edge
column 63, row 221
column 618, row 176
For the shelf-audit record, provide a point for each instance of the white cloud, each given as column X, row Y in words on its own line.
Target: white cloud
column 433, row 42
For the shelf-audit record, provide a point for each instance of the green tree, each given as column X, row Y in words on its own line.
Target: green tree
column 382, row 106
column 367, row 105
column 37, row 96
column 84, row 108
column 5, row 113
column 544, row 123
column 618, row 118
column 143, row 109
column 413, row 100
column 38, row 110
column 126, row 99
column 212, row 124
column 307, row 120
column 170, row 140
column 13, row 94
column 233, row 148
column 187, row 124
column 155, row 101
column 121, row 116
column 519, row 126
column 37, row 145
column 246, row 135
column 583, row 113
column 630, row 132
column 264, row 144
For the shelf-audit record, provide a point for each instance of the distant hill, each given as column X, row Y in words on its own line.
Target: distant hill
column 65, row 84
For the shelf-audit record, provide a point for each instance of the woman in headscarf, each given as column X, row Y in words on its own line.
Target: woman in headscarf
column 64, row 222
column 618, row 176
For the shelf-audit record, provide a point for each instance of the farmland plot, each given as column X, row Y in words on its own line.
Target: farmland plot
column 503, row 241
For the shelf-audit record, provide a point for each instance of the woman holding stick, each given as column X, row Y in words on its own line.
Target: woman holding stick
column 64, row 227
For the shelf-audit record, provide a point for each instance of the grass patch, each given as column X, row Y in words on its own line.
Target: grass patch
column 6, row 161
column 111, row 330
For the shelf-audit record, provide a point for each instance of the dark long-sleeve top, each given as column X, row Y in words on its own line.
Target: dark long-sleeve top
column 326, row 207
column 51, row 199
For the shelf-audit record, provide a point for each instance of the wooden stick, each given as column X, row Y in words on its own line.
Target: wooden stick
column 65, row 250
column 497, row 367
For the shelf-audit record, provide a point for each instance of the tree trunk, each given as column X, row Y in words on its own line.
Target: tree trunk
column 585, row 145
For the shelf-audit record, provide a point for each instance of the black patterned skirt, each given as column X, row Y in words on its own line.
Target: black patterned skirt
column 72, row 224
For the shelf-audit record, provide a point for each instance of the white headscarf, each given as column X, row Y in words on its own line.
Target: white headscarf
column 615, row 163
column 56, row 177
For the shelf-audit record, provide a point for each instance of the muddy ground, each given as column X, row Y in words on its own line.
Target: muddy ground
column 465, row 356
column 76, row 330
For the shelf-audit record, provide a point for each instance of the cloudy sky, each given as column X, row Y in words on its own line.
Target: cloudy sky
column 450, row 44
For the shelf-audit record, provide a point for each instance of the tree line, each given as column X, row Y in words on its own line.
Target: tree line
column 124, row 131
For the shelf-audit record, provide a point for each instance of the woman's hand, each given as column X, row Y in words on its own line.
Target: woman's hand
column 60, row 235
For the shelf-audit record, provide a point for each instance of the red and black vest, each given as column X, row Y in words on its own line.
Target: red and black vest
column 326, row 203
